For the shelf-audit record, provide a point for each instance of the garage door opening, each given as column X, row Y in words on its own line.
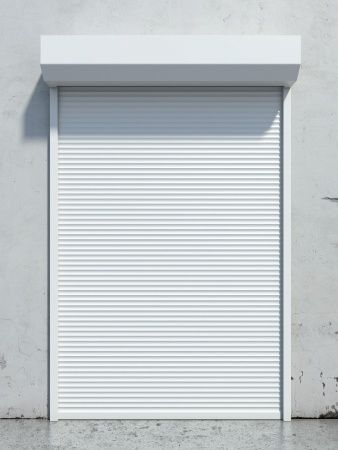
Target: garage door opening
column 169, row 252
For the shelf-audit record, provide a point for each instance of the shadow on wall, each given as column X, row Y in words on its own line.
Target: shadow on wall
column 36, row 127
column 36, row 114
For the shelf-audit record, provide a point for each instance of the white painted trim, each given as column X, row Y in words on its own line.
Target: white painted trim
column 53, row 259
column 186, row 414
column 185, row 60
column 286, row 255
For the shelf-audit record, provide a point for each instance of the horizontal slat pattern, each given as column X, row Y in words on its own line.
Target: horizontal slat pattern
column 169, row 253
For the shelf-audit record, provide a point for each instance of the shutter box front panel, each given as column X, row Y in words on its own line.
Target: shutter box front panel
column 169, row 253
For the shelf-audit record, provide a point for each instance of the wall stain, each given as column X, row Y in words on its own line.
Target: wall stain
column 323, row 384
column 300, row 377
column 3, row 362
column 330, row 414
column 332, row 199
column 225, row 19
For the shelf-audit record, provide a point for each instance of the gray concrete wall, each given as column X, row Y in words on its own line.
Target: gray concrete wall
column 24, row 181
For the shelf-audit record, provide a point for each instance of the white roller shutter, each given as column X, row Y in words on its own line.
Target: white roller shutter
column 168, row 253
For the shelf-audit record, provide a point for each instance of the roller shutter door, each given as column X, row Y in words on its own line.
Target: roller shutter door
column 168, row 253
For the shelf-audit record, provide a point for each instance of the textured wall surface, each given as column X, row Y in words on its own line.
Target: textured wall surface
column 24, row 180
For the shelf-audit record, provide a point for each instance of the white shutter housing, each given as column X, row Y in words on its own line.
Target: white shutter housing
column 170, row 259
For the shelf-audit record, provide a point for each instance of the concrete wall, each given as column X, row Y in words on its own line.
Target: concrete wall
column 24, row 182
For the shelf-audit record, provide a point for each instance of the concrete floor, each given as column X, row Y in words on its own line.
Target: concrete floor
column 170, row 434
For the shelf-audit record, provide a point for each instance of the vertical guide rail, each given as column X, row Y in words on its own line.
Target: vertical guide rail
column 53, row 256
column 286, row 255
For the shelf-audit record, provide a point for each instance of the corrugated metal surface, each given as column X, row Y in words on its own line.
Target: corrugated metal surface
column 169, row 253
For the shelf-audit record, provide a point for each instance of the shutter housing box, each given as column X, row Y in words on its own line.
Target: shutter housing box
column 146, row 60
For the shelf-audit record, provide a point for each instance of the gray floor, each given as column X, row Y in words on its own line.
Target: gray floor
column 170, row 434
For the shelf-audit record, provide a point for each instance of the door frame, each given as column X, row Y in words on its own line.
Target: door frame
column 286, row 255
column 285, row 266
